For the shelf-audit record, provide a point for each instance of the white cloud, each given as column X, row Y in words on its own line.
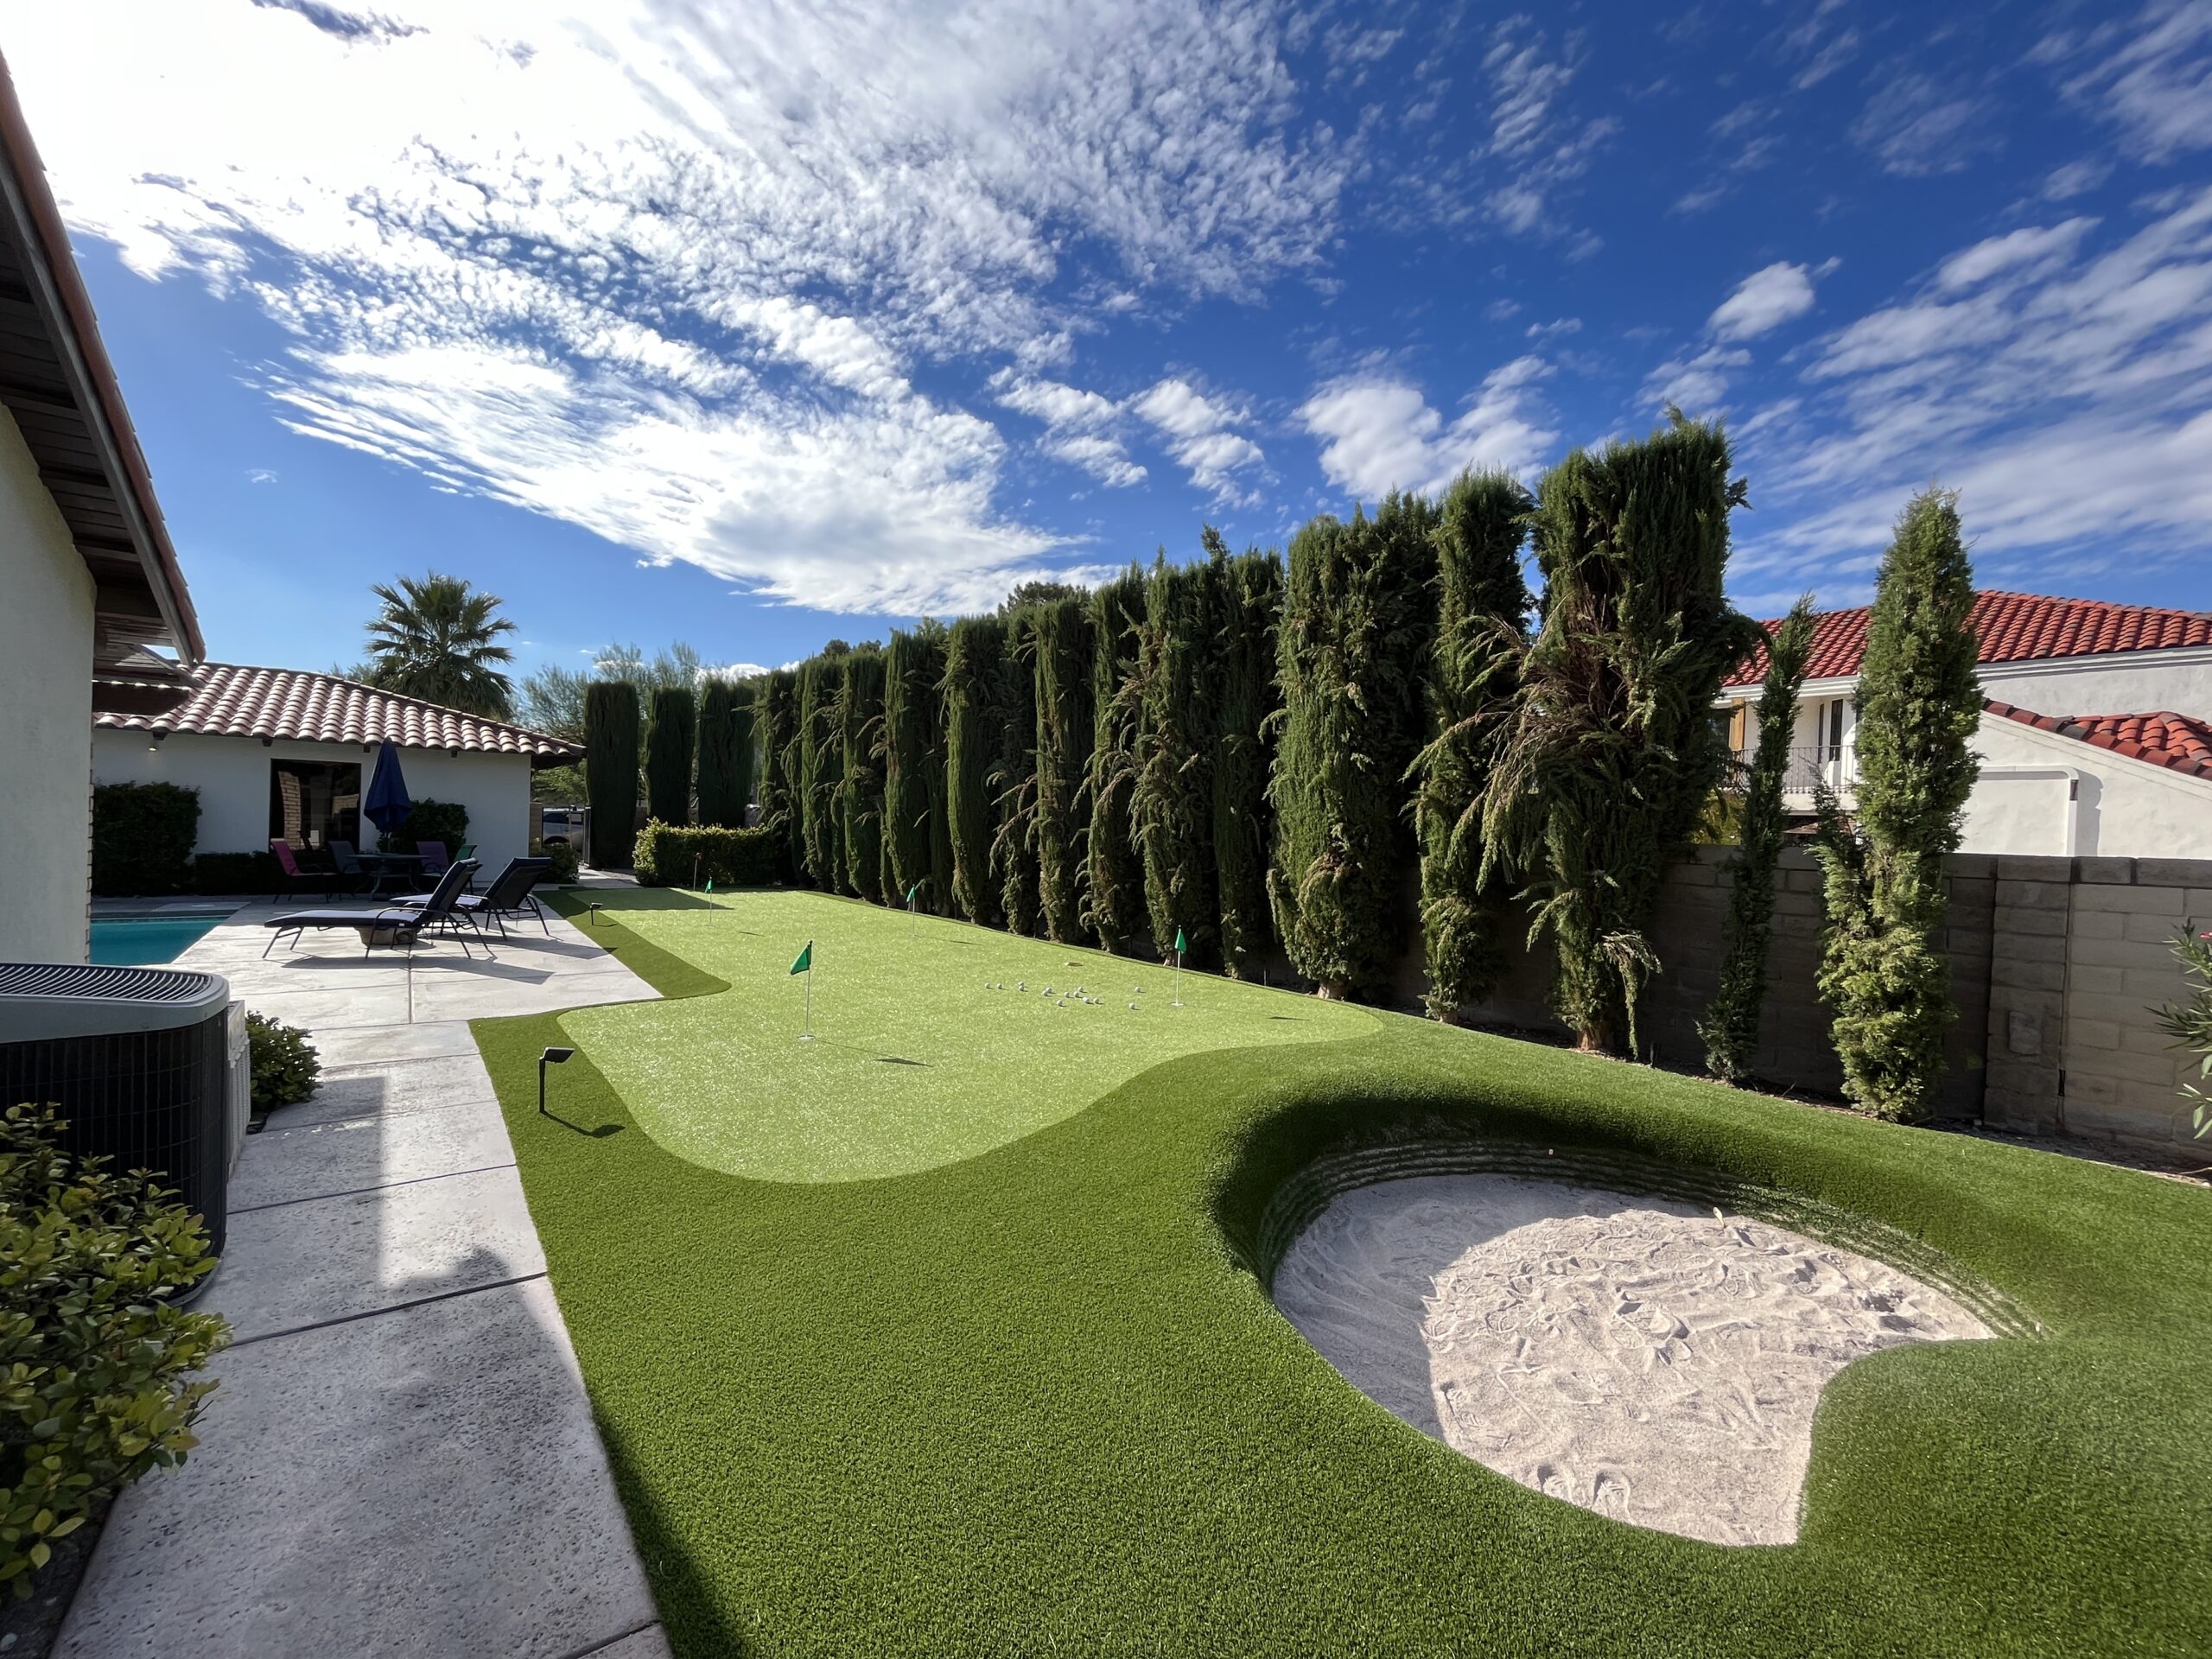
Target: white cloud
column 1696, row 383
column 1762, row 300
column 1915, row 125
column 1379, row 433
column 663, row 270
column 1080, row 425
column 1534, row 147
column 1197, row 427
column 2075, row 179
column 2157, row 86
column 2026, row 249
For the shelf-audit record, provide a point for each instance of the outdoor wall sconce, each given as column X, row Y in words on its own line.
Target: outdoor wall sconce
column 550, row 1057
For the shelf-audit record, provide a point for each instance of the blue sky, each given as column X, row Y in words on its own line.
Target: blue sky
column 752, row 325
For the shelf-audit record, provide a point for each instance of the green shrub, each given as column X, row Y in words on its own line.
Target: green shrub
column 141, row 837
column 563, row 856
column 228, row 872
column 94, row 1357
column 611, row 770
column 669, row 737
column 725, row 753
column 284, row 1063
column 669, row 854
column 443, row 821
column 2188, row 1021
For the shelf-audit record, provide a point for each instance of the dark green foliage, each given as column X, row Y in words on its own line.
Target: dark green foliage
column 1114, row 873
column 1065, row 729
column 1483, row 608
column 561, row 855
column 1359, row 614
column 142, row 836
column 725, row 753
column 860, row 791
column 1731, row 1025
column 1883, row 969
column 973, row 657
column 821, row 750
column 439, row 640
column 669, row 733
column 1013, row 778
column 283, row 1061
column 611, row 771
column 1612, row 754
column 443, row 821
column 1247, row 601
column 779, row 795
column 96, row 1359
column 1171, row 755
column 676, row 856
column 913, row 777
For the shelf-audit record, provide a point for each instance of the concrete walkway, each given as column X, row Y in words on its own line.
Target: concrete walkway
column 400, row 1459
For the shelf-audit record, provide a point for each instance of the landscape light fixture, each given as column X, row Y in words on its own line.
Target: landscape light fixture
column 550, row 1057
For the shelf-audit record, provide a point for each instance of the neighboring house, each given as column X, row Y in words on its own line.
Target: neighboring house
column 2097, row 737
column 91, row 593
column 284, row 753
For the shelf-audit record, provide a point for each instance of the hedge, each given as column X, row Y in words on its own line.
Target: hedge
column 611, row 770
column 669, row 854
column 668, row 736
column 443, row 821
column 141, row 837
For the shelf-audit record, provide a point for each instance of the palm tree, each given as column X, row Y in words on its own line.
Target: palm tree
column 438, row 639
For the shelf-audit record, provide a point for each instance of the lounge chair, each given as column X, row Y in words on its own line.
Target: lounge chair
column 508, row 895
column 434, row 856
column 393, row 924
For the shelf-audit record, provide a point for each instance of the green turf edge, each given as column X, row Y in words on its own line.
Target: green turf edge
column 2109, row 1259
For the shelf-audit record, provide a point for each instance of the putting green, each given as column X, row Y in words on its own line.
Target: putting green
column 916, row 1062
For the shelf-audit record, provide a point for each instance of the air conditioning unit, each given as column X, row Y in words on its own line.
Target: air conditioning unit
column 139, row 1060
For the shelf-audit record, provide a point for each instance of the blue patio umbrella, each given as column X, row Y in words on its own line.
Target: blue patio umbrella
column 386, row 805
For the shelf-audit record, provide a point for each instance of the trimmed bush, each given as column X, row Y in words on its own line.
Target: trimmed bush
column 1613, row 755
column 1883, row 968
column 142, row 836
column 443, row 821
column 1359, row 616
column 1731, row 1025
column 859, row 792
column 669, row 854
column 284, row 1063
column 725, row 753
column 563, row 856
column 669, row 737
column 1171, row 802
column 1248, row 597
column 611, row 770
column 1471, row 683
column 1114, row 909
column 1065, row 730
column 96, row 1361
column 971, row 696
column 913, row 766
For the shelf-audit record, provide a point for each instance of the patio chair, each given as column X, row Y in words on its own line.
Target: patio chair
column 508, row 895
column 288, row 864
column 468, row 850
column 394, row 925
column 365, row 880
column 434, row 856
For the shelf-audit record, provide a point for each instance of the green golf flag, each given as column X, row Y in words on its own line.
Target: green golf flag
column 805, row 963
column 912, row 891
column 1179, row 941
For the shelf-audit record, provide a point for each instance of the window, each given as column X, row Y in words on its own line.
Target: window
column 313, row 802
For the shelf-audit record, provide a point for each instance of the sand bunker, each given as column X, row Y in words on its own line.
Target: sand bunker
column 1643, row 1358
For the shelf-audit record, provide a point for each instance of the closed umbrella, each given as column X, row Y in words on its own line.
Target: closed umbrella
column 386, row 805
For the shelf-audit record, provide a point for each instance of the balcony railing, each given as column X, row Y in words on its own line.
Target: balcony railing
column 1813, row 763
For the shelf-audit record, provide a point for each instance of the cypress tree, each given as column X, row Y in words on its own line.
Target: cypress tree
column 821, row 767
column 1883, row 971
column 1358, row 618
column 1731, row 1025
column 1247, row 601
column 611, row 771
column 780, row 793
column 669, row 737
column 971, row 695
column 859, row 789
column 913, row 764
column 1064, row 733
column 1113, row 876
column 1013, row 776
column 725, row 751
column 1171, row 802
column 1612, row 752
column 1483, row 607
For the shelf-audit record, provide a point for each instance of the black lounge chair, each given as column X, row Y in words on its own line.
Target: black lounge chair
column 396, row 924
column 508, row 895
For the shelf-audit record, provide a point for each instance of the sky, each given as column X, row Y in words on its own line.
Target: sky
column 752, row 325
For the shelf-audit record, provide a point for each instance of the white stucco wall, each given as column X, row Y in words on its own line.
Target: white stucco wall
column 2121, row 808
column 231, row 774
column 2125, row 682
column 46, row 641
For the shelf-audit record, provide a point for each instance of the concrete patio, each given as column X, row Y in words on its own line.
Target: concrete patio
column 400, row 1459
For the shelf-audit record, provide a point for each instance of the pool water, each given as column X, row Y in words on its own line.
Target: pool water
column 143, row 941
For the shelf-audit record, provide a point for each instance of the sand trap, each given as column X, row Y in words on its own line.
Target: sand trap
column 1638, row 1356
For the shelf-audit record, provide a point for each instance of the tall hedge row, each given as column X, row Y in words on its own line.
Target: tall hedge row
column 726, row 746
column 611, row 770
column 670, row 731
column 779, row 794
column 1115, row 911
column 1062, row 644
column 860, row 730
column 1013, row 778
column 821, row 767
column 1171, row 798
column 1248, row 596
column 913, row 765
column 972, row 659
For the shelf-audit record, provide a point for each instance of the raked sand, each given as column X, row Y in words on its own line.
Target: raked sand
column 1641, row 1357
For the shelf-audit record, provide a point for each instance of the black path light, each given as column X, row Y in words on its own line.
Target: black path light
column 550, row 1057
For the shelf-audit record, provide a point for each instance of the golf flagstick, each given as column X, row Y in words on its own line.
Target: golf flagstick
column 804, row 964
column 1179, row 967
column 912, row 923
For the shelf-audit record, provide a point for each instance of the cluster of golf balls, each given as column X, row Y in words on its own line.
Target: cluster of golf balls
column 1060, row 998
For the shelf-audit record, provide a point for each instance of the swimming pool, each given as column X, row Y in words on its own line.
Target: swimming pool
column 149, row 937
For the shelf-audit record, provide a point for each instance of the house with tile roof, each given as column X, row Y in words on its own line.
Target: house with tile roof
column 2095, row 737
column 285, row 754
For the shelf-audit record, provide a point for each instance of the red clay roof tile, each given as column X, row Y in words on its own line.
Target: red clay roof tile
column 2178, row 742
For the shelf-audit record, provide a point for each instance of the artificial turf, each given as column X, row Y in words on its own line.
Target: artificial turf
column 1037, row 1401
